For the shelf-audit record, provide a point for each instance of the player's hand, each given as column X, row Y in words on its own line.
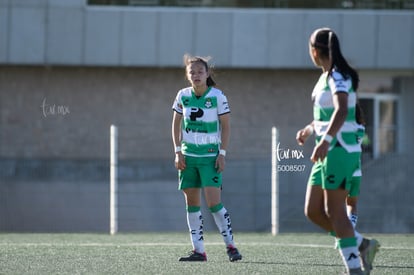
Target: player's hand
column 179, row 161
column 302, row 135
column 220, row 163
column 320, row 151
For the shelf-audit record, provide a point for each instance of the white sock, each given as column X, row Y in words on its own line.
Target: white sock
column 359, row 237
column 195, row 225
column 353, row 218
column 350, row 257
column 349, row 253
column 223, row 222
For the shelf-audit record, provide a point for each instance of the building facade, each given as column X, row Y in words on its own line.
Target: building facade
column 69, row 70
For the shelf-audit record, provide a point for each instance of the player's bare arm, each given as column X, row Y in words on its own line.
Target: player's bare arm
column 179, row 161
column 303, row 134
column 225, row 137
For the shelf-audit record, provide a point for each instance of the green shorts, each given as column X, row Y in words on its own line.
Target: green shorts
column 199, row 173
column 336, row 171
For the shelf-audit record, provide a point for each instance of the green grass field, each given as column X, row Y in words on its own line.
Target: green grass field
column 158, row 253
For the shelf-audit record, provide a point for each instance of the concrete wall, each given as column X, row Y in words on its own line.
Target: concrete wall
column 54, row 165
column 66, row 32
column 71, row 70
column 138, row 101
column 47, row 149
column 385, row 201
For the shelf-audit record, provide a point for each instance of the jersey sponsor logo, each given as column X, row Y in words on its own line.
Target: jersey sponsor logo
column 195, row 127
column 196, row 113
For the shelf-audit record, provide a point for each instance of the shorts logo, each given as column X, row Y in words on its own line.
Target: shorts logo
column 331, row 179
column 215, row 179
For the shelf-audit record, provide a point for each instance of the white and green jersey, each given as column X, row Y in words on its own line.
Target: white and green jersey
column 323, row 109
column 201, row 126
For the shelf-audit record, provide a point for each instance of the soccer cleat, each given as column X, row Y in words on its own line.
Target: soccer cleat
column 367, row 250
column 233, row 253
column 355, row 271
column 194, row 256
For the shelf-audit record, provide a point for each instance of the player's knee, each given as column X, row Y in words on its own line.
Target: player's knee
column 336, row 214
column 351, row 201
column 311, row 213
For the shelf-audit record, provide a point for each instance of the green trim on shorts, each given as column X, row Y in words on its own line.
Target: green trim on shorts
column 199, row 172
column 193, row 209
column 356, row 180
column 347, row 242
column 216, row 208
column 355, row 187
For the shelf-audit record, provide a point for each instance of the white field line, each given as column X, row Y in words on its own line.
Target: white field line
column 138, row 244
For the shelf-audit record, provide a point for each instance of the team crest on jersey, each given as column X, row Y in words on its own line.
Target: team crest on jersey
column 208, row 103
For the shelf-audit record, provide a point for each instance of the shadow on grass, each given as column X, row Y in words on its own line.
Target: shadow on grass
column 285, row 263
column 394, row 267
column 324, row 265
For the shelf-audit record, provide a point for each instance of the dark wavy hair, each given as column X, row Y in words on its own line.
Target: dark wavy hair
column 189, row 59
column 359, row 115
column 327, row 43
